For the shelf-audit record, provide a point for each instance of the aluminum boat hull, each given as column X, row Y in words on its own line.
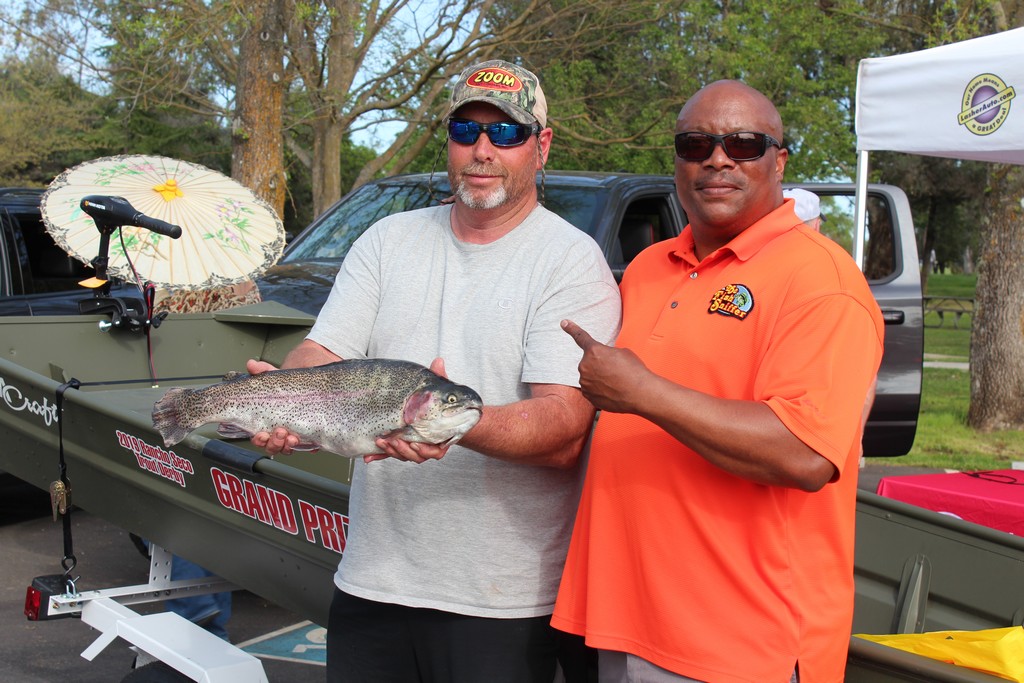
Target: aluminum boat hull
column 275, row 527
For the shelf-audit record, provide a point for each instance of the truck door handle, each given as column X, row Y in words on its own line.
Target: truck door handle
column 892, row 317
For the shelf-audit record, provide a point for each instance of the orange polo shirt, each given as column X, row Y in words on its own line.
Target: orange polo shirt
column 674, row 560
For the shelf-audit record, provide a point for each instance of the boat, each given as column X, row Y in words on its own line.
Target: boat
column 78, row 390
column 73, row 387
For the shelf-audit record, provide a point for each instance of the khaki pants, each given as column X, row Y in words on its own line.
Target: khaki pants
column 620, row 667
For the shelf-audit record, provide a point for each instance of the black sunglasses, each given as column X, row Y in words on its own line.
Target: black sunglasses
column 738, row 146
column 501, row 134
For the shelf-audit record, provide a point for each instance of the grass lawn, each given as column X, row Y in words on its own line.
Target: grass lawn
column 943, row 437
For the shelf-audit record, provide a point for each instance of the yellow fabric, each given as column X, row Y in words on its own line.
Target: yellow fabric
column 996, row 651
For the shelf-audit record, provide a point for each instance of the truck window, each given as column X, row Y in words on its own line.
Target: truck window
column 51, row 268
column 6, row 262
column 644, row 222
column 34, row 262
column 837, row 212
column 15, row 255
column 332, row 235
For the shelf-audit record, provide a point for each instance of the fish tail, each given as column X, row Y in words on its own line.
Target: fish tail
column 168, row 418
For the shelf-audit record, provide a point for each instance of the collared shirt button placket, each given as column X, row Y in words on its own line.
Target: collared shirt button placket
column 692, row 276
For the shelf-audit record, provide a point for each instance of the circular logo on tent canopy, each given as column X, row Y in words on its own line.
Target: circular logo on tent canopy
column 986, row 104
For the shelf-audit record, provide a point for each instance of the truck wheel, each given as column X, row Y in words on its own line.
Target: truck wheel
column 156, row 672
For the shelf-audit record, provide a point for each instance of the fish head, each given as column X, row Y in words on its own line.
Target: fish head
column 442, row 412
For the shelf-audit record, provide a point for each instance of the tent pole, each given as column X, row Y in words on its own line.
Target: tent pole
column 860, row 216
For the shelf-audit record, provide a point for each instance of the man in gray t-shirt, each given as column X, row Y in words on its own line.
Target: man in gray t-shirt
column 451, row 567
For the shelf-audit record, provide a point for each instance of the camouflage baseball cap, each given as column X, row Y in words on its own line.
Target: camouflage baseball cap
column 511, row 88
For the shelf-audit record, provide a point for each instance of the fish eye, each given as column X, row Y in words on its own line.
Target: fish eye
column 453, row 399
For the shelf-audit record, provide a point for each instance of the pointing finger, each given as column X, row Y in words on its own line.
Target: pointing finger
column 579, row 335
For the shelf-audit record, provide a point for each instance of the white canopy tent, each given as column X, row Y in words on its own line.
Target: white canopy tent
column 957, row 101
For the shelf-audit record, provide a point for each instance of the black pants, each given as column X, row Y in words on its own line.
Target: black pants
column 374, row 642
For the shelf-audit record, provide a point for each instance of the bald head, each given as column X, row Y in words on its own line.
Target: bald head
column 723, row 197
column 733, row 98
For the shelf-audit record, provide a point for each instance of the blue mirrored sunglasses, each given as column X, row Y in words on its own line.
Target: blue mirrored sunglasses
column 501, row 134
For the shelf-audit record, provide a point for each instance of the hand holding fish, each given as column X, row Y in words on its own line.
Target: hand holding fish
column 280, row 440
column 411, row 451
column 607, row 374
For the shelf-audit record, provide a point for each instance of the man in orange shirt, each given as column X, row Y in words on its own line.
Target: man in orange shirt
column 714, row 539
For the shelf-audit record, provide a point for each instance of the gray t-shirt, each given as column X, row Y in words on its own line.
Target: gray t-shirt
column 467, row 534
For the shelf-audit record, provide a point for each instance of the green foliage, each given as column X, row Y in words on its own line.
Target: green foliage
column 575, row 146
column 46, row 122
column 161, row 131
column 614, row 101
column 180, row 53
column 945, row 198
column 802, row 55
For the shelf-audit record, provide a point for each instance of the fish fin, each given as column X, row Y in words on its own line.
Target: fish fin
column 233, row 374
column 308, row 447
column 167, row 418
column 233, row 431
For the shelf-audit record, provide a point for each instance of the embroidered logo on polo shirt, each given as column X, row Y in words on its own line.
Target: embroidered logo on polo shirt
column 732, row 300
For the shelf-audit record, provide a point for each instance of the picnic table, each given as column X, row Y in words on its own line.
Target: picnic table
column 941, row 305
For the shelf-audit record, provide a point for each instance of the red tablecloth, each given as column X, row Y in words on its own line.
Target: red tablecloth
column 994, row 499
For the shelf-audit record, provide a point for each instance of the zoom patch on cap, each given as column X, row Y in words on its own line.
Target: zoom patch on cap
column 732, row 300
column 495, row 78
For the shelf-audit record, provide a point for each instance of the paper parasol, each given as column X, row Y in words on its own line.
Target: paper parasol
column 229, row 235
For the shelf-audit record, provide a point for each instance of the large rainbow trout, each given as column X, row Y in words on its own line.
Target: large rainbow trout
column 341, row 407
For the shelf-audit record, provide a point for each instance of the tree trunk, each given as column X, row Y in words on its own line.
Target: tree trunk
column 338, row 69
column 257, row 155
column 997, row 331
column 326, row 169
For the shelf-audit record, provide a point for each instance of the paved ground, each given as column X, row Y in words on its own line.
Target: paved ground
column 49, row 651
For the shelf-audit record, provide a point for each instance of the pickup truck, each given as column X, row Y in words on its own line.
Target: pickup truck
column 626, row 213
column 285, row 521
column 623, row 212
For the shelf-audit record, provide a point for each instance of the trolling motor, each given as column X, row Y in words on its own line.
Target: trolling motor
column 110, row 214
